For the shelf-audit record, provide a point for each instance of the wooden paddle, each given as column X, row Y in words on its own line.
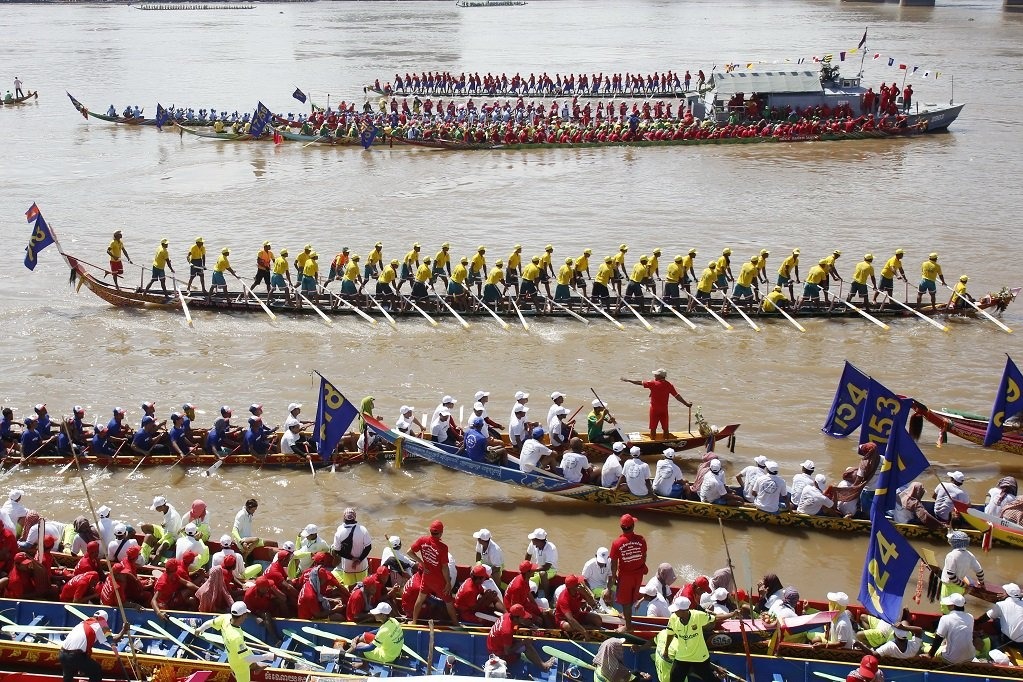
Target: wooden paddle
column 450, row 309
column 456, row 657
column 568, row 658
column 603, row 312
column 181, row 299
column 346, row 304
column 323, row 315
column 742, row 312
column 422, row 312
column 789, row 318
column 863, row 313
column 672, row 309
column 726, row 325
column 249, row 292
column 386, row 315
column 504, row 325
column 568, row 310
column 931, row 320
column 982, row 311
column 518, row 312
column 639, row 317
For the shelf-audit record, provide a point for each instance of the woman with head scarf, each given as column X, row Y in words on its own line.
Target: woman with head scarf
column 663, row 580
column 1000, row 496
column 83, row 535
column 609, row 663
column 213, row 596
column 199, row 516
column 909, row 507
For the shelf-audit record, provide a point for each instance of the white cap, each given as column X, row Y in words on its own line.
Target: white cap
column 445, row 413
column 760, row 461
column 603, row 555
column 15, row 495
column 480, row 395
column 715, row 465
column 101, row 615
column 556, row 395
column 808, row 464
column 998, row 657
column 103, row 512
column 311, row 529
column 294, row 406
column 395, row 541
column 226, row 540
column 618, row 446
column 900, row 633
column 288, row 546
column 405, row 408
column 447, row 399
column 538, row 534
column 598, row 403
column 561, row 411
column 771, row 466
column 381, row 609
column 120, row 529
column 1012, row 589
column 191, row 529
column 634, row 451
column 478, row 406
column 840, row 598
column 521, row 409
column 521, row 395
column 669, row 453
column 291, row 421
column 720, row 594
column 482, row 534
column 158, row 501
column 954, row 599
column 681, row 603
column 957, row 476
column 821, row 480
column 239, row 608
column 648, row 590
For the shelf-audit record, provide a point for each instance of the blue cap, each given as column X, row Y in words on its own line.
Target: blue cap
column 538, row 432
column 147, row 420
column 477, row 421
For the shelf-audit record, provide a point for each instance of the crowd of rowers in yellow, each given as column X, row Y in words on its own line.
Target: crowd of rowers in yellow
column 526, row 276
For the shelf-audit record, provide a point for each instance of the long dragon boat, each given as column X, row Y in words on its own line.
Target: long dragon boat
column 332, row 305
column 226, row 135
column 328, row 140
column 20, row 100
column 553, row 484
column 133, row 120
column 306, row 650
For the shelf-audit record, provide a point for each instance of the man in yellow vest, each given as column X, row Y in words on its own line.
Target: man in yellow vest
column 264, row 263
column 197, row 263
column 239, row 656
column 863, row 271
column 930, row 272
column 891, row 271
column 161, row 261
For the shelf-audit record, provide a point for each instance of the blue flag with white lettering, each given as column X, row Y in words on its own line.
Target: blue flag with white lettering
column 902, row 463
column 880, row 410
column 889, row 565
column 367, row 136
column 260, row 120
column 334, row 414
column 846, row 412
column 299, row 95
column 1008, row 402
column 41, row 237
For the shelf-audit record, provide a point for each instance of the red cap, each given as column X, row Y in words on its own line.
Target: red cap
column 49, row 541
column 133, row 552
column 527, row 566
column 383, row 572
column 371, row 580
column 627, row 521
column 283, row 554
column 230, row 562
column 572, row 581
column 437, row 527
column 262, row 582
column 478, row 571
column 321, row 558
column 517, row 610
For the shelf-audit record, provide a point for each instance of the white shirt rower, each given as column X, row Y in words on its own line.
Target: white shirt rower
column 812, row 500
column 360, row 541
column 218, row 558
column 573, row 464
column 532, row 452
column 636, row 473
column 770, row 489
column 492, row 555
column 750, row 475
column 521, row 398
column 540, row 556
column 712, row 487
column 555, row 406
column 105, row 528
column 803, row 478
column 611, row 471
column 597, row 571
column 446, row 403
column 517, row 425
column 666, row 474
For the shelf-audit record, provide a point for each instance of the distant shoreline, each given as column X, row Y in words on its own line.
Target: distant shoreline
column 183, row 2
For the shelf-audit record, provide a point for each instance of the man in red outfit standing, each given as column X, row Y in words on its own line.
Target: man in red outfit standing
column 628, row 566
column 432, row 556
column 660, row 388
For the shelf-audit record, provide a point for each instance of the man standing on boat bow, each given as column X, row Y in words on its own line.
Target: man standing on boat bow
column 660, row 388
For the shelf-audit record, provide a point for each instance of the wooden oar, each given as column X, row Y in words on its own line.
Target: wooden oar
column 213, row 467
column 649, row 327
column 568, row 658
column 383, row 312
column 724, row 323
column 746, row 317
column 450, row 309
column 18, row 464
column 143, row 459
column 67, row 432
column 346, row 304
column 863, row 313
column 422, row 312
column 931, row 320
column 318, row 138
column 455, row 657
column 568, row 310
column 672, row 309
column 518, row 312
column 603, row 312
column 982, row 312
column 312, row 305
column 504, row 325
column 789, row 318
column 249, row 292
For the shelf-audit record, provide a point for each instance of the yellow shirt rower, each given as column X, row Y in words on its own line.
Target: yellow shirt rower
column 930, row 271
column 863, row 271
column 603, row 279
column 456, row 287
column 744, row 283
column 491, row 294
column 814, row 278
column 374, row 261
column 423, row 276
column 302, row 259
column 566, row 274
column 774, row 300
column 350, row 280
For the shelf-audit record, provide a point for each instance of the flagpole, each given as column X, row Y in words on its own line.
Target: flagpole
column 863, row 48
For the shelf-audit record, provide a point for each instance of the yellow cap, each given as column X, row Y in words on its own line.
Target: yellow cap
column 900, row 252
column 284, row 252
column 308, row 247
column 836, row 253
column 568, row 261
column 795, row 252
column 464, row 260
column 933, row 256
column 198, row 240
column 623, row 247
column 416, row 246
column 445, row 245
column 657, row 252
column 426, row 260
column 314, row 255
column 355, row 258
column 394, row 261
column 964, row 278
column 266, row 243
column 777, row 288
column 225, row 251
column 378, row 245
column 754, row 259
column 712, row 265
column 608, row 260
column 535, row 259
column 164, row 242
column 587, row 252
column 518, row 247
column 643, row 258
column 548, row 248
column 499, row 262
column 726, row 252
column 765, row 252
column 692, row 252
column 679, row 259
column 482, row 249
column 868, row 256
